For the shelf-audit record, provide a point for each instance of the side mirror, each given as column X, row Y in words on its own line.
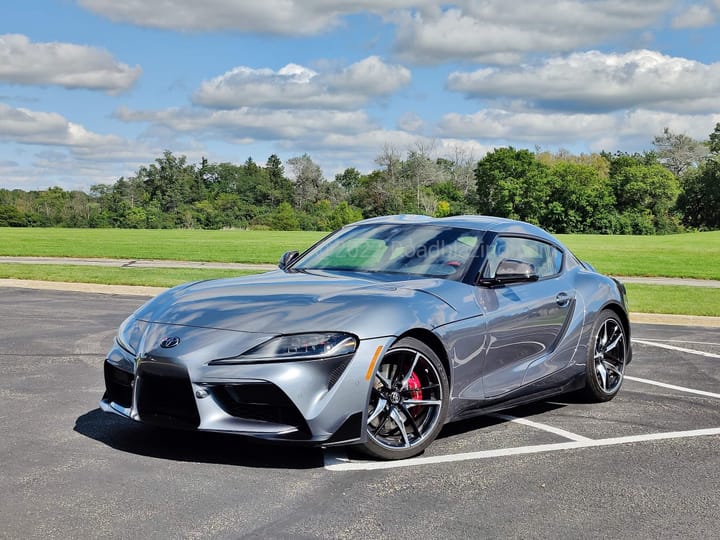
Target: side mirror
column 512, row 271
column 287, row 258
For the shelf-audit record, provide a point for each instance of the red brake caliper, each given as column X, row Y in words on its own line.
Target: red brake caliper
column 415, row 392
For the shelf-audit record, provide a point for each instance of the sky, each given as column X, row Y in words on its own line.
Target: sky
column 90, row 90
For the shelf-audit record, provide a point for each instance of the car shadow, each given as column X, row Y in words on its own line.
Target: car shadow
column 193, row 446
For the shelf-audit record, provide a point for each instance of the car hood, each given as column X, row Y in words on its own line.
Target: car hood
column 282, row 303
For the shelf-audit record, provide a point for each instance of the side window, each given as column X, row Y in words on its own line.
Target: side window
column 546, row 259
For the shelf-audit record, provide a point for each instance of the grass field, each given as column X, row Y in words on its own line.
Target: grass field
column 692, row 255
column 695, row 255
column 676, row 300
column 154, row 277
column 643, row 298
column 181, row 245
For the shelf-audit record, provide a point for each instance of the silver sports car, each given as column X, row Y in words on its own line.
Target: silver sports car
column 376, row 336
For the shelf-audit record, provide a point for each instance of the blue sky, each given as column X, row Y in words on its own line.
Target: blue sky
column 92, row 89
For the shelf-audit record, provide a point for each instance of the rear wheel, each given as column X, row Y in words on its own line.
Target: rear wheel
column 607, row 352
column 408, row 401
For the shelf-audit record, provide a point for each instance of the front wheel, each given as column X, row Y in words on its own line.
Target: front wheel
column 408, row 401
column 607, row 353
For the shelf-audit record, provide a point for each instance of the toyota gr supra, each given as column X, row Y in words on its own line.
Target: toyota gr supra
column 376, row 336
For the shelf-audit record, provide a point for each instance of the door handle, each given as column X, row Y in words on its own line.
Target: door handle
column 562, row 299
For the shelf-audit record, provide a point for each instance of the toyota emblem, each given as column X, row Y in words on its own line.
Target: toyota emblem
column 170, row 342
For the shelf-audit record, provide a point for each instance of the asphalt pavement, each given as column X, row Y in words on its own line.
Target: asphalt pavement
column 644, row 465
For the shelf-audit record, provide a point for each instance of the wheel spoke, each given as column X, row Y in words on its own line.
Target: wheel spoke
column 412, row 420
column 409, row 373
column 434, row 402
column 614, row 342
column 602, row 373
column 383, row 380
column 380, row 407
column 603, row 340
column 382, row 424
column 421, row 389
column 609, row 366
column 400, row 423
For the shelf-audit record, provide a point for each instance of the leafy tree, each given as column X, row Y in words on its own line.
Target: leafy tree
column 281, row 189
column 700, row 199
column 11, row 216
column 678, row 152
column 648, row 189
column 714, row 140
column 376, row 196
column 349, row 179
column 308, row 179
column 512, row 183
column 285, row 218
column 581, row 198
column 343, row 214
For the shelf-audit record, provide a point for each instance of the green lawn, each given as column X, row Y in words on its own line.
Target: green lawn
column 693, row 255
column 184, row 245
column 643, row 298
column 154, row 277
column 673, row 299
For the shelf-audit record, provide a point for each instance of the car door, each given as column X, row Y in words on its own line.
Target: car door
column 525, row 320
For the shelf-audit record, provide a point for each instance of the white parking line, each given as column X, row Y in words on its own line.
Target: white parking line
column 673, row 387
column 674, row 348
column 337, row 464
column 543, row 427
column 682, row 341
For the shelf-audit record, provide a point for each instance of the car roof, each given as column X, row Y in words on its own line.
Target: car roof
column 474, row 222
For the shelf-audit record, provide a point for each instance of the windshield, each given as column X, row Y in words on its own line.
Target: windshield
column 423, row 250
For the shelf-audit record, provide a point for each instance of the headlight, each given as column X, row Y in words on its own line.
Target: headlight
column 130, row 334
column 298, row 347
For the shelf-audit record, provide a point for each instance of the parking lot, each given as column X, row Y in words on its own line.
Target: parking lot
column 645, row 464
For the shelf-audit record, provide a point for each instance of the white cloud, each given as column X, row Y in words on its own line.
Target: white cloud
column 246, row 124
column 494, row 124
column 503, row 31
column 36, row 127
column 428, row 31
column 598, row 81
column 289, row 17
column 62, row 64
column 411, row 121
column 695, row 16
column 295, row 86
column 25, row 126
column 529, row 127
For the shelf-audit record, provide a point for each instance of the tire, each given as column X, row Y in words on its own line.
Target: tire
column 606, row 355
column 408, row 402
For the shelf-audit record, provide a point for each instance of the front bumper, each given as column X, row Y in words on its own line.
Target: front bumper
column 312, row 401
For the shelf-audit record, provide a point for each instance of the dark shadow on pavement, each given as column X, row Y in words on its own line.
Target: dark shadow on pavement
column 193, row 446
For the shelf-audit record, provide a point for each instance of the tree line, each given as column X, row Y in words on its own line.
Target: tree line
column 674, row 187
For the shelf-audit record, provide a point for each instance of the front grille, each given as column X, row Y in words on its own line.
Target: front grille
column 165, row 396
column 118, row 385
column 263, row 402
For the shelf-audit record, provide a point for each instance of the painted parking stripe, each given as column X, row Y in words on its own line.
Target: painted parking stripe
column 339, row 465
column 543, row 427
column 674, row 348
column 682, row 341
column 673, row 387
